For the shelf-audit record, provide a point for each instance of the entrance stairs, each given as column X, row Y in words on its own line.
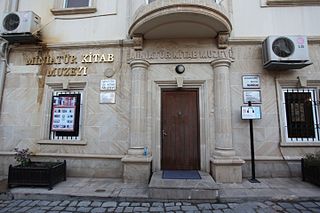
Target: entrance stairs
column 183, row 189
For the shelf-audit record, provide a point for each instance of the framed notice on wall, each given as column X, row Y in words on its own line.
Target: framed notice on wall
column 65, row 114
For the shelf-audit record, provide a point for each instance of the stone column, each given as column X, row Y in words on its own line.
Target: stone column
column 225, row 166
column 3, row 66
column 137, row 166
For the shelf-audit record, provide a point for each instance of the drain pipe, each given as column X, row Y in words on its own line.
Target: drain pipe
column 12, row 5
column 3, row 65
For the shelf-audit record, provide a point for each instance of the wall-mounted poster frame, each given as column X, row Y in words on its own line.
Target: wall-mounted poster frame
column 65, row 114
column 252, row 95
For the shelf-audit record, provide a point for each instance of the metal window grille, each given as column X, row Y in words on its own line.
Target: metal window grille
column 76, row 3
column 53, row 134
column 301, row 114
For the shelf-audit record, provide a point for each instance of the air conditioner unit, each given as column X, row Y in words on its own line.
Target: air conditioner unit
column 21, row 26
column 285, row 52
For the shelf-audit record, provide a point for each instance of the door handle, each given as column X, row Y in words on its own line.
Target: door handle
column 164, row 133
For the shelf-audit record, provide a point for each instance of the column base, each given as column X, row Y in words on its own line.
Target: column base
column 136, row 168
column 226, row 170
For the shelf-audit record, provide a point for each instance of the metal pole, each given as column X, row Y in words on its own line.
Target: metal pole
column 253, row 167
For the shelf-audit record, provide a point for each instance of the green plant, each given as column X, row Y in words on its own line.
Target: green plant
column 313, row 156
column 22, row 156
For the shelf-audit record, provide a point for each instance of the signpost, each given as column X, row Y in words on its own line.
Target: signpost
column 251, row 113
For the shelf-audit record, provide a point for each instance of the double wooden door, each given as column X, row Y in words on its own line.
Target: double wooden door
column 180, row 148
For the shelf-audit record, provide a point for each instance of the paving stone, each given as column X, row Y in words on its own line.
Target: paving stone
column 157, row 204
column 57, row 208
column 305, row 211
column 178, row 204
column 72, row 209
column 315, row 210
column 65, row 203
column 219, row 206
column 173, row 208
column 277, row 208
column 226, row 211
column 111, row 209
column 204, row 206
column 23, row 209
column 293, row 210
column 46, row 207
column 309, row 204
column 298, row 206
column 135, row 204
column 157, row 209
column 96, row 204
column 65, row 212
column 54, row 203
column 109, row 204
column 169, row 204
column 128, row 209
column 14, row 209
column 269, row 203
column 84, row 209
column 34, row 203
column 206, row 211
column 53, row 212
column 98, row 210
column 25, row 203
column 318, row 203
column 186, row 204
column 73, row 203
column 84, row 203
column 15, row 203
column 286, row 205
column 233, row 205
column 189, row 208
column 5, row 209
column 140, row 209
column 145, row 204
column 36, row 210
column 123, row 204
column 119, row 209
column 217, row 211
column 43, row 203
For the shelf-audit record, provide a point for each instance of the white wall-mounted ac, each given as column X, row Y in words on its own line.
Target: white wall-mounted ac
column 285, row 52
column 17, row 26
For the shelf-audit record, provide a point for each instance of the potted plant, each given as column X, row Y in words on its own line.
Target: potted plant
column 310, row 168
column 29, row 173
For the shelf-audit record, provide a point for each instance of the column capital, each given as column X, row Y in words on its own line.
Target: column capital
column 139, row 63
column 221, row 62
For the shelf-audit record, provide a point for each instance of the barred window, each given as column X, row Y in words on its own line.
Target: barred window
column 66, row 115
column 76, row 3
column 301, row 114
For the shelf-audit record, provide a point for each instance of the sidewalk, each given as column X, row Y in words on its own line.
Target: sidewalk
column 272, row 189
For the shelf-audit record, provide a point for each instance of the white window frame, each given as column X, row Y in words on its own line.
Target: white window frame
column 315, row 112
column 60, row 8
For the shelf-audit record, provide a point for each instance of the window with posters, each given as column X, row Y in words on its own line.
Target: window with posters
column 65, row 115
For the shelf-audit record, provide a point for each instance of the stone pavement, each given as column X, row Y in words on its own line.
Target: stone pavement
column 98, row 206
column 112, row 195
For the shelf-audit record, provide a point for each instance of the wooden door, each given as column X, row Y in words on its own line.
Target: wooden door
column 180, row 130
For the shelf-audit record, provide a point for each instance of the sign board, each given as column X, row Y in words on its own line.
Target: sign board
column 63, row 113
column 108, row 84
column 250, row 112
column 252, row 95
column 107, row 98
column 251, row 82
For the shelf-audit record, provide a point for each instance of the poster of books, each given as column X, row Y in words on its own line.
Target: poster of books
column 63, row 113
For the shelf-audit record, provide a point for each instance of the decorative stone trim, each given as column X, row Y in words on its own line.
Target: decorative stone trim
column 138, row 42
column 139, row 64
column 63, row 142
column 223, row 40
column 221, row 62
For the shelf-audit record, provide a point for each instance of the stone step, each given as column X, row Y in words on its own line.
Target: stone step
column 183, row 189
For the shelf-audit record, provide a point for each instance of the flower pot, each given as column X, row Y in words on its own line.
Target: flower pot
column 37, row 174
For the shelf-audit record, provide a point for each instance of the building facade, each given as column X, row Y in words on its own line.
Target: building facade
column 124, row 88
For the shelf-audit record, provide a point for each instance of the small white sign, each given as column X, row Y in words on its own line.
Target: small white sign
column 250, row 112
column 252, row 95
column 107, row 98
column 251, row 82
column 108, row 84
